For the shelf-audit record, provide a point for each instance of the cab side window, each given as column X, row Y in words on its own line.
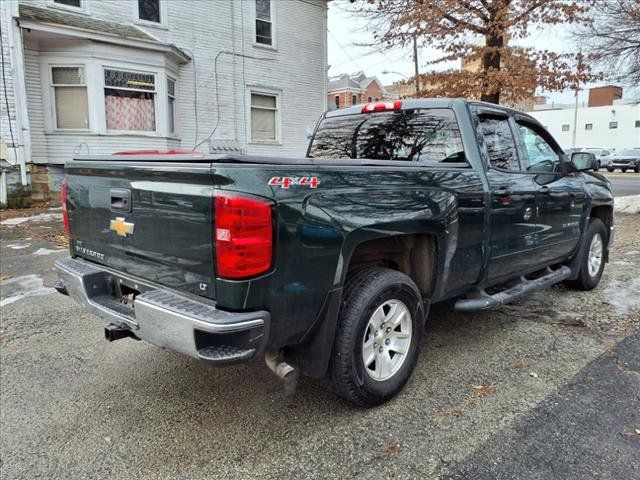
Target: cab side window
column 501, row 146
column 540, row 156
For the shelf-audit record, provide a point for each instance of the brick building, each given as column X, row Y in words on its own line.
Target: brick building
column 347, row 90
column 605, row 95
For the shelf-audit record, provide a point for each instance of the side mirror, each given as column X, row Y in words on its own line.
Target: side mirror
column 583, row 161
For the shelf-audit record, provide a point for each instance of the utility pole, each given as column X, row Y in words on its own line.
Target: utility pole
column 415, row 62
column 575, row 111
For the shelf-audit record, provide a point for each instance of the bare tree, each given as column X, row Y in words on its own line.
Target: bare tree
column 478, row 32
column 612, row 39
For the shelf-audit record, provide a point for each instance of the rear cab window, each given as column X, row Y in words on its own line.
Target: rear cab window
column 426, row 136
column 500, row 144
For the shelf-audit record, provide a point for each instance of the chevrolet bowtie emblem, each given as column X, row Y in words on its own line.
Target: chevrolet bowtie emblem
column 121, row 227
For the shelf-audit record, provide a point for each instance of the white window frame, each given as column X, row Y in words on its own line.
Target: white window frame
column 52, row 96
column 156, row 92
column 273, row 8
column 94, row 66
column 278, row 123
column 83, row 8
column 173, row 133
column 164, row 17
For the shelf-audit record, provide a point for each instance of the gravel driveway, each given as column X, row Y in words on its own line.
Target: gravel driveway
column 75, row 406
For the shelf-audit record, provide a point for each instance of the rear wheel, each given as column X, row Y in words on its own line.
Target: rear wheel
column 624, row 170
column 637, row 168
column 379, row 334
column 592, row 264
column 610, row 169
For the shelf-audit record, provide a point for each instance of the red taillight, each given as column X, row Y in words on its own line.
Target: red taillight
column 381, row 106
column 65, row 212
column 243, row 236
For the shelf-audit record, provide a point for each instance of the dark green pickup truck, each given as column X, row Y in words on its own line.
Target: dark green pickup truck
column 327, row 265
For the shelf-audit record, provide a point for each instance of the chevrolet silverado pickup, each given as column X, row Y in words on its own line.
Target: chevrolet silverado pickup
column 326, row 265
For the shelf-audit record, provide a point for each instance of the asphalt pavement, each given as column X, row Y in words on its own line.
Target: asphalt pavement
column 624, row 183
column 544, row 388
column 574, row 432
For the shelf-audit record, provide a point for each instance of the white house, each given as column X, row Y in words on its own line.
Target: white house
column 86, row 76
column 610, row 126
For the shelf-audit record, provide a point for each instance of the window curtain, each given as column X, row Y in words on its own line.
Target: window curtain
column 129, row 110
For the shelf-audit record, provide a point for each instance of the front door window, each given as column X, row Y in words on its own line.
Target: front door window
column 540, row 155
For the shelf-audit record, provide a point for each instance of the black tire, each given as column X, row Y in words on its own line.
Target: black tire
column 624, row 170
column 367, row 289
column 585, row 280
column 609, row 169
column 636, row 169
column 597, row 167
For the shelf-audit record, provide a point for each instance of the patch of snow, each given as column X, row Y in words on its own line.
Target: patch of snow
column 16, row 246
column 628, row 204
column 23, row 287
column 632, row 252
column 14, row 221
column 623, row 296
column 41, row 217
column 47, row 251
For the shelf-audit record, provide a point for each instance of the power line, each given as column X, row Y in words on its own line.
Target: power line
column 344, row 50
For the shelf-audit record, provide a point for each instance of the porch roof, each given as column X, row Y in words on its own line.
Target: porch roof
column 84, row 26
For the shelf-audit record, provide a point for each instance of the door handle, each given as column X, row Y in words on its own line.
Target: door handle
column 544, row 189
column 120, row 200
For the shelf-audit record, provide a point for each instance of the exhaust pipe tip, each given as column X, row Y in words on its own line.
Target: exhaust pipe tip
column 285, row 371
column 282, row 369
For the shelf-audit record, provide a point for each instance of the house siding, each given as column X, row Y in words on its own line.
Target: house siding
column 294, row 70
column 7, row 117
column 34, row 106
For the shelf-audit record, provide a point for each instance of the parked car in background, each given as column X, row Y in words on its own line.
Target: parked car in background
column 627, row 159
column 600, row 153
column 569, row 151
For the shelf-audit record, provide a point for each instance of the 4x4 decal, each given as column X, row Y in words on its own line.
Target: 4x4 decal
column 286, row 182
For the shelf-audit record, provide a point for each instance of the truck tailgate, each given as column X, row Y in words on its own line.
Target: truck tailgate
column 148, row 219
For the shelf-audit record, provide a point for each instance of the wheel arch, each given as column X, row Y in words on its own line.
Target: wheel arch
column 414, row 254
column 604, row 213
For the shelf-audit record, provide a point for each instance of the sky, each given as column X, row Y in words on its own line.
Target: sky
column 347, row 31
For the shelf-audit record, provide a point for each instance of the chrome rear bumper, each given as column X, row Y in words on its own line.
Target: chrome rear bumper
column 164, row 317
